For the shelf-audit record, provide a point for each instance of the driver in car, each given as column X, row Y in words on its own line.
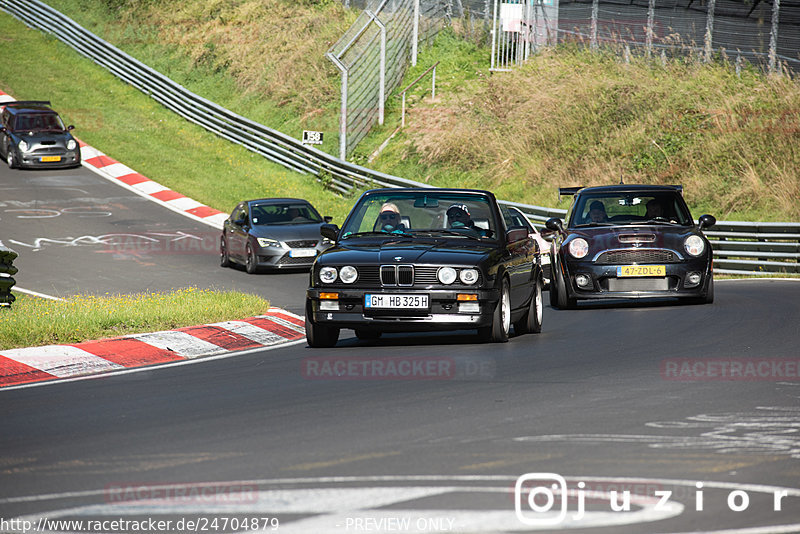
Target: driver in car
column 458, row 217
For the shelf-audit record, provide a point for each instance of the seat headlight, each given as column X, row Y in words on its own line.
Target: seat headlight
column 447, row 275
column 71, row 144
column 694, row 245
column 327, row 275
column 578, row 248
column 348, row 274
column 468, row 276
column 266, row 243
column 23, row 145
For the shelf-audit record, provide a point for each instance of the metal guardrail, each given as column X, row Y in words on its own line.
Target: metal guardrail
column 740, row 247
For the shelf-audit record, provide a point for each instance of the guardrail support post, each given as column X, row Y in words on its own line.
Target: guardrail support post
column 709, row 30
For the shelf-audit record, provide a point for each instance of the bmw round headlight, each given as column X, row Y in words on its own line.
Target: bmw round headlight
column 71, row 144
column 327, row 275
column 23, row 146
column 447, row 275
column 578, row 248
column 348, row 274
column 694, row 245
column 468, row 276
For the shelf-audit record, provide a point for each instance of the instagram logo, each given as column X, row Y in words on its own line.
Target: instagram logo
column 538, row 492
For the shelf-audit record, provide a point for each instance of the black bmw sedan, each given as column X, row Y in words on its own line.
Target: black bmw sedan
column 425, row 259
column 630, row 241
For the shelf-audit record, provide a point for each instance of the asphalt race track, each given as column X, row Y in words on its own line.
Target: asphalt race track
column 411, row 433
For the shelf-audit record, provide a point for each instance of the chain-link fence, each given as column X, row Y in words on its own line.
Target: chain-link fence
column 373, row 55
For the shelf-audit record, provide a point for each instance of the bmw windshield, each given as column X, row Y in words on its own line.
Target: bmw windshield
column 422, row 214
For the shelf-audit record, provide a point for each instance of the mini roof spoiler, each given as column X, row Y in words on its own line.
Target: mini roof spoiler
column 23, row 103
column 563, row 191
column 678, row 188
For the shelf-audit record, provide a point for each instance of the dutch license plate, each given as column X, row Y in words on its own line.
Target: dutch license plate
column 302, row 252
column 624, row 271
column 395, row 302
column 47, row 159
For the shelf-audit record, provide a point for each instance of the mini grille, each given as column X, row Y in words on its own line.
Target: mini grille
column 637, row 256
column 302, row 244
column 49, row 150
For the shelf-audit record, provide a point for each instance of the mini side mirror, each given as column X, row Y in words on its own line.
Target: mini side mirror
column 70, row 128
column 328, row 219
column 554, row 224
column 330, row 231
column 240, row 222
column 707, row 221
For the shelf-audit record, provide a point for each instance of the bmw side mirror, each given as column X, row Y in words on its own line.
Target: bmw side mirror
column 328, row 219
column 70, row 128
column 516, row 234
column 239, row 222
column 554, row 224
column 330, row 231
column 707, row 221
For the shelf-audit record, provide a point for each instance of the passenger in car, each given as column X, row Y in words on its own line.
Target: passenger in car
column 389, row 219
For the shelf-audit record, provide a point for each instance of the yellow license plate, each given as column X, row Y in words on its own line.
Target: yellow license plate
column 624, row 271
column 46, row 159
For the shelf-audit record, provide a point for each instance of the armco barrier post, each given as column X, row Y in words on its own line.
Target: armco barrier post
column 7, row 270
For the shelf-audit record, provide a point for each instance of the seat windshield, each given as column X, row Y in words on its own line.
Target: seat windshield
column 423, row 214
column 630, row 208
column 283, row 214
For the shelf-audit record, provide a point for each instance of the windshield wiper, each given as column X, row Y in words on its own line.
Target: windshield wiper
column 661, row 220
column 596, row 224
column 432, row 233
column 384, row 234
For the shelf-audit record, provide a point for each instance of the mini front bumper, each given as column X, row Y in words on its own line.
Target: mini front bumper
column 605, row 284
column 71, row 158
column 348, row 310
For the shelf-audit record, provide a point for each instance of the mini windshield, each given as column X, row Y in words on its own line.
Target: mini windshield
column 600, row 209
column 38, row 122
column 423, row 214
column 283, row 214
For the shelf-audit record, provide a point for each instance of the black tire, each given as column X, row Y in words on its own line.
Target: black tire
column 501, row 319
column 11, row 159
column 367, row 335
column 531, row 322
column 251, row 262
column 224, row 258
column 709, row 296
column 319, row 336
column 558, row 286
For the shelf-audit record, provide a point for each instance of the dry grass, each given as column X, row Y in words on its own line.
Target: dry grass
column 574, row 118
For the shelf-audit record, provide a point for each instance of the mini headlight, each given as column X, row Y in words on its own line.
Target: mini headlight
column 348, row 274
column 71, row 144
column 469, row 276
column 578, row 248
column 23, row 146
column 447, row 275
column 264, row 242
column 694, row 245
column 327, row 275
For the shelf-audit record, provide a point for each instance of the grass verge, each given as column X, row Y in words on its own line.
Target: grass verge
column 33, row 321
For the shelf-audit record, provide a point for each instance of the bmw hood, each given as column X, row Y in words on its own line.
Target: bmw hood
column 406, row 251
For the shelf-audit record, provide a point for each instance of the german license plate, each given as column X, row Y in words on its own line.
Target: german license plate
column 302, row 252
column 625, row 271
column 395, row 302
column 47, row 159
